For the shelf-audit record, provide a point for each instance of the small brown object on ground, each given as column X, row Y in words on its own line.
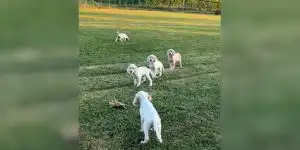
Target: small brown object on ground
column 116, row 104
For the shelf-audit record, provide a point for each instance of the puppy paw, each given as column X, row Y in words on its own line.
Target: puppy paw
column 141, row 130
column 143, row 142
column 160, row 140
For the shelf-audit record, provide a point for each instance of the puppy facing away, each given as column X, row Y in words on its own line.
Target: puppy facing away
column 148, row 114
column 121, row 37
column 155, row 65
column 140, row 74
column 174, row 58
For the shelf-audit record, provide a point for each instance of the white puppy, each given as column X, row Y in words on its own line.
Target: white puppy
column 155, row 65
column 122, row 37
column 149, row 115
column 140, row 74
column 174, row 58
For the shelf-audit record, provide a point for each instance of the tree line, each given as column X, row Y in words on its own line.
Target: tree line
column 197, row 5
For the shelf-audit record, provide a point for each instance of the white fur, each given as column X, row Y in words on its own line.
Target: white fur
column 155, row 65
column 149, row 116
column 174, row 58
column 121, row 37
column 140, row 74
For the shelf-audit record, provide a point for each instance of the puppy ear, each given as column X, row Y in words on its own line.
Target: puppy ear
column 149, row 97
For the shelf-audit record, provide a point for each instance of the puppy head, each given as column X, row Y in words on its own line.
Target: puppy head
column 131, row 68
column 170, row 52
column 151, row 58
column 136, row 100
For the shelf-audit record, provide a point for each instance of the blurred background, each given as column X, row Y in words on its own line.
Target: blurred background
column 38, row 77
column 260, row 70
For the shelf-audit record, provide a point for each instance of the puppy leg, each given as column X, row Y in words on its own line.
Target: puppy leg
column 139, row 78
column 149, row 79
column 134, row 81
column 180, row 62
column 158, row 132
column 135, row 100
column 155, row 73
column 154, row 70
column 157, row 128
column 160, row 71
column 116, row 40
column 143, row 79
column 142, row 122
column 172, row 65
column 146, row 126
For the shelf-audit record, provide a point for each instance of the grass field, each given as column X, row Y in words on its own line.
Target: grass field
column 187, row 99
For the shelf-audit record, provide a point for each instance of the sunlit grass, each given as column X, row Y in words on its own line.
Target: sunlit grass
column 153, row 28
column 157, row 14
column 127, row 20
column 203, row 26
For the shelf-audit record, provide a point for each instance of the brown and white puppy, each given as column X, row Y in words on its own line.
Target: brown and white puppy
column 149, row 115
column 174, row 58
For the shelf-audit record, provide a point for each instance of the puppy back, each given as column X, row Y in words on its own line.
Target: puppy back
column 176, row 56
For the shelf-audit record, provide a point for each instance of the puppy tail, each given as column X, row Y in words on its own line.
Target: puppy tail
column 118, row 32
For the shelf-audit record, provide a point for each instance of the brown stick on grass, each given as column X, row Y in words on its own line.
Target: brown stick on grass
column 116, row 104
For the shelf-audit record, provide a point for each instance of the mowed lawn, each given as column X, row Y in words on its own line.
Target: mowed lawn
column 187, row 99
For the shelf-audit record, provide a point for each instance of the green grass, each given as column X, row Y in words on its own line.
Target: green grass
column 187, row 99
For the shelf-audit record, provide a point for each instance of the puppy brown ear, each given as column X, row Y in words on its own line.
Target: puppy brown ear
column 149, row 98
